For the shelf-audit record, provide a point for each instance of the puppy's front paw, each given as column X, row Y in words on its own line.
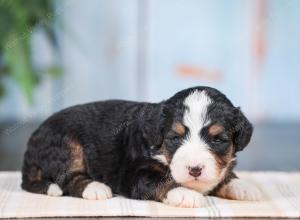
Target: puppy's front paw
column 183, row 197
column 238, row 189
column 96, row 191
column 54, row 190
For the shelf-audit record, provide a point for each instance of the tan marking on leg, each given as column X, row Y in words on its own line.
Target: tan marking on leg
column 77, row 157
column 37, row 177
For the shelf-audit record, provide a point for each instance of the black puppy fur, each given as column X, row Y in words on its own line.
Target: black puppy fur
column 114, row 142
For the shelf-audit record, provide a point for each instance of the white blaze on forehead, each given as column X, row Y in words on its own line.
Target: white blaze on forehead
column 194, row 118
column 194, row 151
column 195, row 114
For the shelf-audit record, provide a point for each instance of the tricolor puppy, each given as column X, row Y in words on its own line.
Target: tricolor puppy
column 175, row 151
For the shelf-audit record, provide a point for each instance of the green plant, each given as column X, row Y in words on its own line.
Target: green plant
column 18, row 20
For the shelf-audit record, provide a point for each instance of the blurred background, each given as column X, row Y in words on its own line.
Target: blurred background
column 54, row 54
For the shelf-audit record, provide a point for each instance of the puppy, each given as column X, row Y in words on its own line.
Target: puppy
column 175, row 151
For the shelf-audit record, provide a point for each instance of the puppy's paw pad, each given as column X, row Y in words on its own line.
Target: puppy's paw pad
column 96, row 191
column 185, row 198
column 241, row 190
column 54, row 190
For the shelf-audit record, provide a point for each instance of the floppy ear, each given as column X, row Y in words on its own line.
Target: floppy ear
column 153, row 124
column 242, row 131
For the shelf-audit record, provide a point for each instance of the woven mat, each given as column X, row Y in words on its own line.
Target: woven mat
column 281, row 199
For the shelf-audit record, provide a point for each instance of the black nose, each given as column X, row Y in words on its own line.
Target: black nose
column 195, row 171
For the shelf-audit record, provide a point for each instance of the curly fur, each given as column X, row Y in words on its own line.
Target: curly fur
column 118, row 143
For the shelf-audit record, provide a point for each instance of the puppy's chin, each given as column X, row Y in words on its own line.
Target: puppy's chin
column 202, row 186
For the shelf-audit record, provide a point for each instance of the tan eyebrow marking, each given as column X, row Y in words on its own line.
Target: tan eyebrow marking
column 215, row 129
column 179, row 128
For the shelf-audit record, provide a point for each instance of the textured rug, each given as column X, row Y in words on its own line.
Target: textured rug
column 281, row 192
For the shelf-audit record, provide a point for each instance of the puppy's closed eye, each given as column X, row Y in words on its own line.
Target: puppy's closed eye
column 220, row 143
column 172, row 141
column 175, row 138
column 219, row 140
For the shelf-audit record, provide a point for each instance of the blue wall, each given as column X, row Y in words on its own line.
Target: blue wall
column 149, row 49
